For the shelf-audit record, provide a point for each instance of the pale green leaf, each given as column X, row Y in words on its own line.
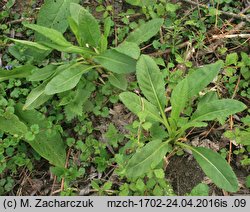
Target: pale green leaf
column 48, row 142
column 179, row 98
column 218, row 108
column 69, row 49
column 116, row 62
column 53, row 14
column 50, row 147
column 216, row 168
column 231, row 59
column 74, row 28
column 201, row 77
column 75, row 10
column 39, row 74
column 19, row 72
column 66, row 79
column 148, row 157
column 52, row 34
column 141, row 3
column 138, row 104
column 31, row 44
column 192, row 124
column 130, row 49
column 146, row 31
column 200, row 190
column 151, row 81
column 11, row 124
column 89, row 30
column 191, row 85
column 208, row 97
column 36, row 97
column 118, row 80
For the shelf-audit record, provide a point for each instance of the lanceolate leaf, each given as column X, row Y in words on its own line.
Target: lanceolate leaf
column 54, row 35
column 36, row 97
column 11, row 124
column 218, row 108
column 50, row 147
column 116, row 62
column 118, row 80
column 69, row 49
column 145, row 31
column 151, row 81
column 138, row 104
column 53, row 14
column 201, row 77
column 39, row 74
column 74, row 28
column 192, row 124
column 179, row 98
column 146, row 158
column 67, row 79
column 20, row 72
column 48, row 142
column 216, row 168
column 31, row 44
column 89, row 30
column 130, row 49
column 191, row 85
column 141, row 3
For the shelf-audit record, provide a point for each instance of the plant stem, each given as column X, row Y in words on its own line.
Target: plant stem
column 184, row 145
column 165, row 121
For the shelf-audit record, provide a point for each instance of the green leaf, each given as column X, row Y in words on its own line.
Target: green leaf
column 151, row 81
column 141, row 3
column 31, row 44
column 54, row 35
column 130, row 49
column 231, row 59
column 116, row 62
column 103, row 44
column 118, row 80
column 107, row 186
column 201, row 77
column 66, row 79
column 69, row 49
column 146, row 31
column 218, row 108
column 74, row 28
column 40, row 74
column 208, row 97
column 107, row 26
column 159, row 173
column 148, row 157
column 89, row 30
column 191, row 85
column 248, row 181
column 20, row 72
column 25, row 53
column 179, row 98
column 53, row 14
column 138, row 104
column 11, row 124
column 216, row 168
column 200, row 190
column 140, row 185
column 48, row 142
column 86, row 27
column 192, row 124
column 36, row 97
